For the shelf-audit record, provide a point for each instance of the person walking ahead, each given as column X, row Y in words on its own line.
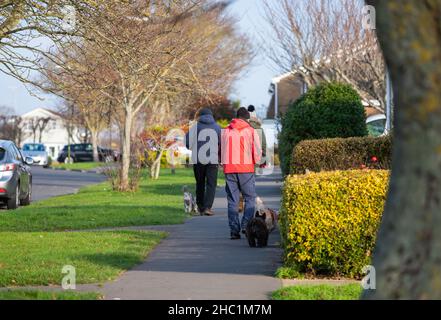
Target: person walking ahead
column 257, row 125
column 241, row 151
column 203, row 140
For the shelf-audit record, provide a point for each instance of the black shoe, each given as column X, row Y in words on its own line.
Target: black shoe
column 244, row 232
column 235, row 236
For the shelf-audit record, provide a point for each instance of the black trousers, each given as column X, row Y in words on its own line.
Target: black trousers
column 206, row 183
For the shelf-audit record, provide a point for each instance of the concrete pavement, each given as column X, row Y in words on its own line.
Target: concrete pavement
column 199, row 261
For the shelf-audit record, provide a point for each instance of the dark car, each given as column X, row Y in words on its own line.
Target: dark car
column 15, row 176
column 83, row 152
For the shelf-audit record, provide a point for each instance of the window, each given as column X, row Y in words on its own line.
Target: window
column 19, row 155
column 33, row 147
column 78, row 147
column 376, row 128
column 2, row 154
column 304, row 88
column 15, row 153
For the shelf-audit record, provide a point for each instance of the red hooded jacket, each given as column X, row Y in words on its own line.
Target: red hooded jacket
column 241, row 148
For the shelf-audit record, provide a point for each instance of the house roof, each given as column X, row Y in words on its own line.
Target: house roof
column 42, row 112
column 371, row 111
column 283, row 76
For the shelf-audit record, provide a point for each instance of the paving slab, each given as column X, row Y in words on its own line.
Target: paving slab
column 199, row 261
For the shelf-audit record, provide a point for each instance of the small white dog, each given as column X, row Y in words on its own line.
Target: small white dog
column 189, row 201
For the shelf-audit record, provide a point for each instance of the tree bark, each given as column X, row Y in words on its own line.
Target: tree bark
column 126, row 142
column 156, row 166
column 407, row 257
column 94, row 138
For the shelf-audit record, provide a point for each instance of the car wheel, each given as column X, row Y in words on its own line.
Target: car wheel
column 68, row 160
column 13, row 203
column 27, row 201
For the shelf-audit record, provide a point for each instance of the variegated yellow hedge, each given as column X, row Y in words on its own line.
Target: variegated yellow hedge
column 329, row 220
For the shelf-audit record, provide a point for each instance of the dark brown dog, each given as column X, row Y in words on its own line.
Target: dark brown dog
column 257, row 231
column 271, row 216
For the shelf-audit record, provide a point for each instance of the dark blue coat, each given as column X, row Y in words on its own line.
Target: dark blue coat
column 192, row 143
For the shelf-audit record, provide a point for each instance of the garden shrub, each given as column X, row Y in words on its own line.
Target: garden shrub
column 342, row 154
column 223, row 123
column 330, row 110
column 329, row 220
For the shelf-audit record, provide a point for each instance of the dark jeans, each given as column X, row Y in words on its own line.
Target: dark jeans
column 238, row 183
column 206, row 183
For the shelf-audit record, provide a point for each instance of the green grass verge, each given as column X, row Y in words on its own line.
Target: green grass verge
column 289, row 271
column 16, row 294
column 37, row 258
column 320, row 292
column 78, row 165
column 156, row 203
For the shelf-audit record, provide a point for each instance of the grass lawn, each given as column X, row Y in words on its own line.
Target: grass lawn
column 321, row 292
column 37, row 258
column 289, row 271
column 78, row 165
column 16, row 294
column 156, row 203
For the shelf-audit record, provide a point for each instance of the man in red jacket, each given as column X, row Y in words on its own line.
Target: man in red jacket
column 241, row 151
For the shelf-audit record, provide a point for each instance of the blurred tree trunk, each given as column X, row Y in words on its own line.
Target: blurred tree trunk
column 94, row 140
column 408, row 253
column 155, row 169
column 126, row 147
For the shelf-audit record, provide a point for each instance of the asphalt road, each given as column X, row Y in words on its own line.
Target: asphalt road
column 50, row 183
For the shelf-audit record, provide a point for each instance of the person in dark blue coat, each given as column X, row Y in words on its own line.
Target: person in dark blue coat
column 204, row 139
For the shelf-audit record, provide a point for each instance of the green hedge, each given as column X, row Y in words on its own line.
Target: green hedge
column 330, row 110
column 329, row 220
column 341, row 154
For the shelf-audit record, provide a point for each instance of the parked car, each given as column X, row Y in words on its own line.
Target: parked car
column 37, row 152
column 109, row 155
column 376, row 125
column 83, row 152
column 15, row 176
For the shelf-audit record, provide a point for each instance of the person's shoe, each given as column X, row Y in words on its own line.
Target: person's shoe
column 244, row 232
column 208, row 212
column 235, row 236
column 201, row 211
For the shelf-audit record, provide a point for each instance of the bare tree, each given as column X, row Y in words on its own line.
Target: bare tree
column 29, row 29
column 42, row 126
column 23, row 24
column 11, row 126
column 324, row 41
column 85, row 105
column 32, row 125
column 17, row 130
column 140, row 61
column 37, row 126
column 407, row 255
